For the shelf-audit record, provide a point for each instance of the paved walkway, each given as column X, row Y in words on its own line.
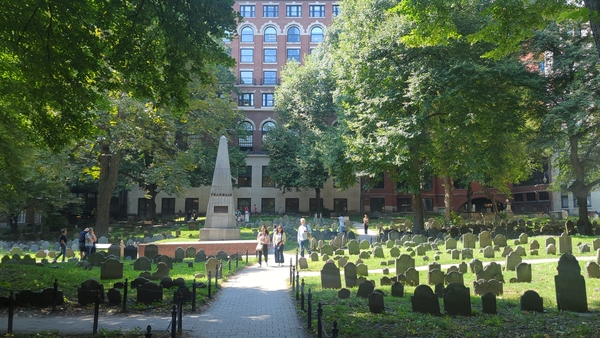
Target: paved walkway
column 256, row 302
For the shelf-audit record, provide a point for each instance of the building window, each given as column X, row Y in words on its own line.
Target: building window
column 530, row 196
column 270, row 11
column 243, row 203
column 377, row 204
column 293, row 11
column 247, row 34
column 427, row 183
column 246, row 100
column 246, row 55
column 316, row 34
column 518, row 197
column 316, row 11
column 267, row 99
column 245, row 178
column 293, row 54
column 377, row 182
column 248, row 11
column 246, row 77
column 340, row 205
column 293, row 34
column 142, row 209
column 564, row 201
column 267, row 205
column 270, row 77
column 589, row 201
column 312, row 204
column 246, row 142
column 292, row 205
column 167, row 208
column 428, row 204
column 404, row 204
column 335, row 11
column 543, row 196
column 267, row 181
column 267, row 126
column 270, row 34
column 270, row 55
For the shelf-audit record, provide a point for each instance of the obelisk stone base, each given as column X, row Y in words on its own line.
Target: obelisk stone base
column 216, row 234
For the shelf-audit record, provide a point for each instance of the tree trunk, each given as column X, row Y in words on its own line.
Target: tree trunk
column 492, row 198
column 469, row 200
column 594, row 7
column 151, row 202
column 579, row 189
column 448, row 187
column 109, row 168
column 418, row 212
column 318, row 199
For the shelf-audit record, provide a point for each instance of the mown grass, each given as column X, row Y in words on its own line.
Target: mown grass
column 355, row 320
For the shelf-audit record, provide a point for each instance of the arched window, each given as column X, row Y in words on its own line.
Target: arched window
column 247, row 34
column 246, row 142
column 270, row 34
column 266, row 127
column 316, row 34
column 293, row 34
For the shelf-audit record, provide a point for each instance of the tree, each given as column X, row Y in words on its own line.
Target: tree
column 61, row 60
column 572, row 126
column 304, row 108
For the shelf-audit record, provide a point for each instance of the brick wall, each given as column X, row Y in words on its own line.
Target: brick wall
column 210, row 248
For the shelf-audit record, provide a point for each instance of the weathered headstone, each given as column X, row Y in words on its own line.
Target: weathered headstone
column 330, row 276
column 512, row 260
column 111, row 269
column 450, row 244
column 592, row 269
column 403, row 263
column 424, row 300
column 485, row 239
column 353, row 247
column 364, row 289
column 565, row 244
column 570, row 285
column 376, row 304
column 488, row 303
column 200, row 256
column 435, row 276
column 454, row 277
column 397, row 289
column 531, row 301
column 457, row 300
column 551, row 249
column 151, row 251
column 149, row 293
column 523, row 272
column 142, row 264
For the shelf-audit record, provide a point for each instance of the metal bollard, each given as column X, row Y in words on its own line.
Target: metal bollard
column 335, row 330
column 302, row 295
column 297, row 258
column 229, row 263
column 309, row 309
column 216, row 277
column 237, row 259
column 179, row 312
column 96, row 311
column 194, row 285
column 174, row 322
column 297, row 284
column 11, row 313
column 209, row 281
column 293, row 281
column 291, row 272
column 319, row 321
column 125, row 296
column 246, row 256
column 148, row 332
column 54, row 295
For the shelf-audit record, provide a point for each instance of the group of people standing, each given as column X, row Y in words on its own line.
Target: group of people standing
column 264, row 241
column 87, row 243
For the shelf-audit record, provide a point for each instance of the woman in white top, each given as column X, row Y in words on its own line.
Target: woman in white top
column 263, row 240
column 278, row 242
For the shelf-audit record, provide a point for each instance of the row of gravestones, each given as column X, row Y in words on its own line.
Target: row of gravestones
column 569, row 284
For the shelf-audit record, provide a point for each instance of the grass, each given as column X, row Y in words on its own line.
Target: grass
column 355, row 320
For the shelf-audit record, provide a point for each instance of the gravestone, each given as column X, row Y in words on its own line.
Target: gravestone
column 500, row 240
column 551, row 249
column 455, row 254
column 149, row 293
column 314, row 256
column 565, row 244
column 523, row 272
column 491, row 271
column 364, row 245
column 397, row 289
column 485, row 239
column 151, row 251
column 378, row 252
column 364, row 289
column 344, row 293
column 96, row 258
column 395, row 252
column 450, row 244
column 190, row 252
column 114, row 296
column 481, row 287
column 412, row 276
column 535, row 245
column 435, row 276
column 164, row 259
column 570, row 285
column 89, row 291
column 162, row 270
column 523, row 239
column 506, row 250
column 512, row 260
column 476, row 266
column 467, row 253
column 200, row 256
column 488, row 252
column 385, row 281
column 469, row 240
column 112, row 268
column 211, row 266
column 131, row 252
column 376, row 304
column 520, row 250
column 327, row 249
column 403, row 263
column 142, row 264
column 425, row 301
column 550, row 240
column 463, row 267
column 457, row 300
column 114, row 250
column 454, row 277
column 362, row 269
column 353, row 247
column 488, row 303
column 531, row 301
column 302, row 263
column 342, row 261
column 330, row 276
column 592, row 269
column 179, row 254
column 596, row 244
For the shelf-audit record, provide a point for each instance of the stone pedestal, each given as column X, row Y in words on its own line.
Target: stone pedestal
column 213, row 234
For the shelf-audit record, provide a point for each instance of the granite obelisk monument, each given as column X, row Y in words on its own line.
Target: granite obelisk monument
column 220, row 219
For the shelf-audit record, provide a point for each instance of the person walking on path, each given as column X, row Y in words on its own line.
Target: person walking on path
column 366, row 223
column 263, row 241
column 303, row 234
column 279, row 242
column 82, row 248
column 63, row 245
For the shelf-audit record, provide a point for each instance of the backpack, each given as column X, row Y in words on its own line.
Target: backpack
column 82, row 236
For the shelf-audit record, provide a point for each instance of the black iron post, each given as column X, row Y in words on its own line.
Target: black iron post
column 291, row 272
column 54, row 295
column 246, row 256
column 180, row 312
column 319, row 321
column 148, row 332
column 229, row 263
column 302, row 295
column 237, row 259
column 96, row 308
column 125, row 295
column 11, row 313
column 174, row 322
column 297, row 284
column 194, row 285
column 335, row 330
column 297, row 258
column 293, row 281
column 309, row 309
column 209, row 282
